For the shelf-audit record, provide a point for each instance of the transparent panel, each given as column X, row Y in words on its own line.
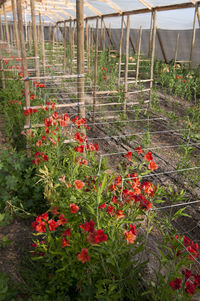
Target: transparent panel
column 166, row 2
column 103, row 7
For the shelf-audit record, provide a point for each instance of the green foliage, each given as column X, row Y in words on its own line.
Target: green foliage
column 17, row 176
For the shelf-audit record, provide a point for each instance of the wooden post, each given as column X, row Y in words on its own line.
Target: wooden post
column 131, row 41
column 126, row 63
column 161, row 45
column 24, row 60
column 6, row 22
column 120, row 49
column 176, row 50
column 1, row 30
column 49, row 32
column 65, row 47
column 80, row 55
column 86, row 35
column 88, row 49
column 109, row 36
column 10, row 33
column 153, row 49
column 2, row 75
column 71, row 46
column 150, row 34
column 35, row 37
column 56, row 34
column 104, row 35
column 101, row 39
column 42, row 43
column 30, row 38
column 95, row 69
column 138, row 56
column 193, row 34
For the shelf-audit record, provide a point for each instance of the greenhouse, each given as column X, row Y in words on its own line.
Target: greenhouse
column 99, row 150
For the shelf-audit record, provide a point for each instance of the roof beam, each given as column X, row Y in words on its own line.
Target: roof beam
column 92, row 8
column 146, row 10
column 145, row 3
column 113, row 5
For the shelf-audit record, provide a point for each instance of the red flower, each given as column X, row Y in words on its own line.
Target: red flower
column 186, row 241
column 187, row 273
column 132, row 229
column 103, row 206
column 74, row 208
column 79, row 137
column 139, row 150
column 67, row 232
column 44, row 216
column 78, row 184
column 110, row 209
column 62, row 220
column 52, row 225
column 179, row 77
column 88, row 226
column 128, row 155
column 45, row 158
column 40, row 227
column 176, row 284
column 79, row 149
column 115, row 199
column 190, row 287
column 54, row 211
column 197, row 280
column 100, row 236
column 83, row 256
column 97, row 237
column 148, row 156
column 65, row 243
column 152, row 165
column 130, row 237
column 120, row 214
column 63, row 123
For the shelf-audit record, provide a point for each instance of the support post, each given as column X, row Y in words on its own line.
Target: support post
column 23, row 55
column 3, row 75
column 42, row 43
column 80, row 55
column 193, row 34
column 6, row 22
column 126, row 63
column 65, row 47
column 120, row 49
column 153, row 49
column 161, row 45
column 138, row 56
column 35, row 37
column 1, row 30
column 176, row 50
column 95, row 69
column 150, row 34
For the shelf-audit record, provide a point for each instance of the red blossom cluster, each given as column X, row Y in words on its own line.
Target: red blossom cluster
column 79, row 122
column 38, row 84
column 93, row 237
column 190, row 283
column 79, row 160
column 56, row 120
column 38, row 156
column 136, row 192
column 16, row 101
column 148, row 157
column 29, row 111
column 191, row 247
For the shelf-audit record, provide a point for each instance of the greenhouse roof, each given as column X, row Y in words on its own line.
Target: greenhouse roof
column 60, row 10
